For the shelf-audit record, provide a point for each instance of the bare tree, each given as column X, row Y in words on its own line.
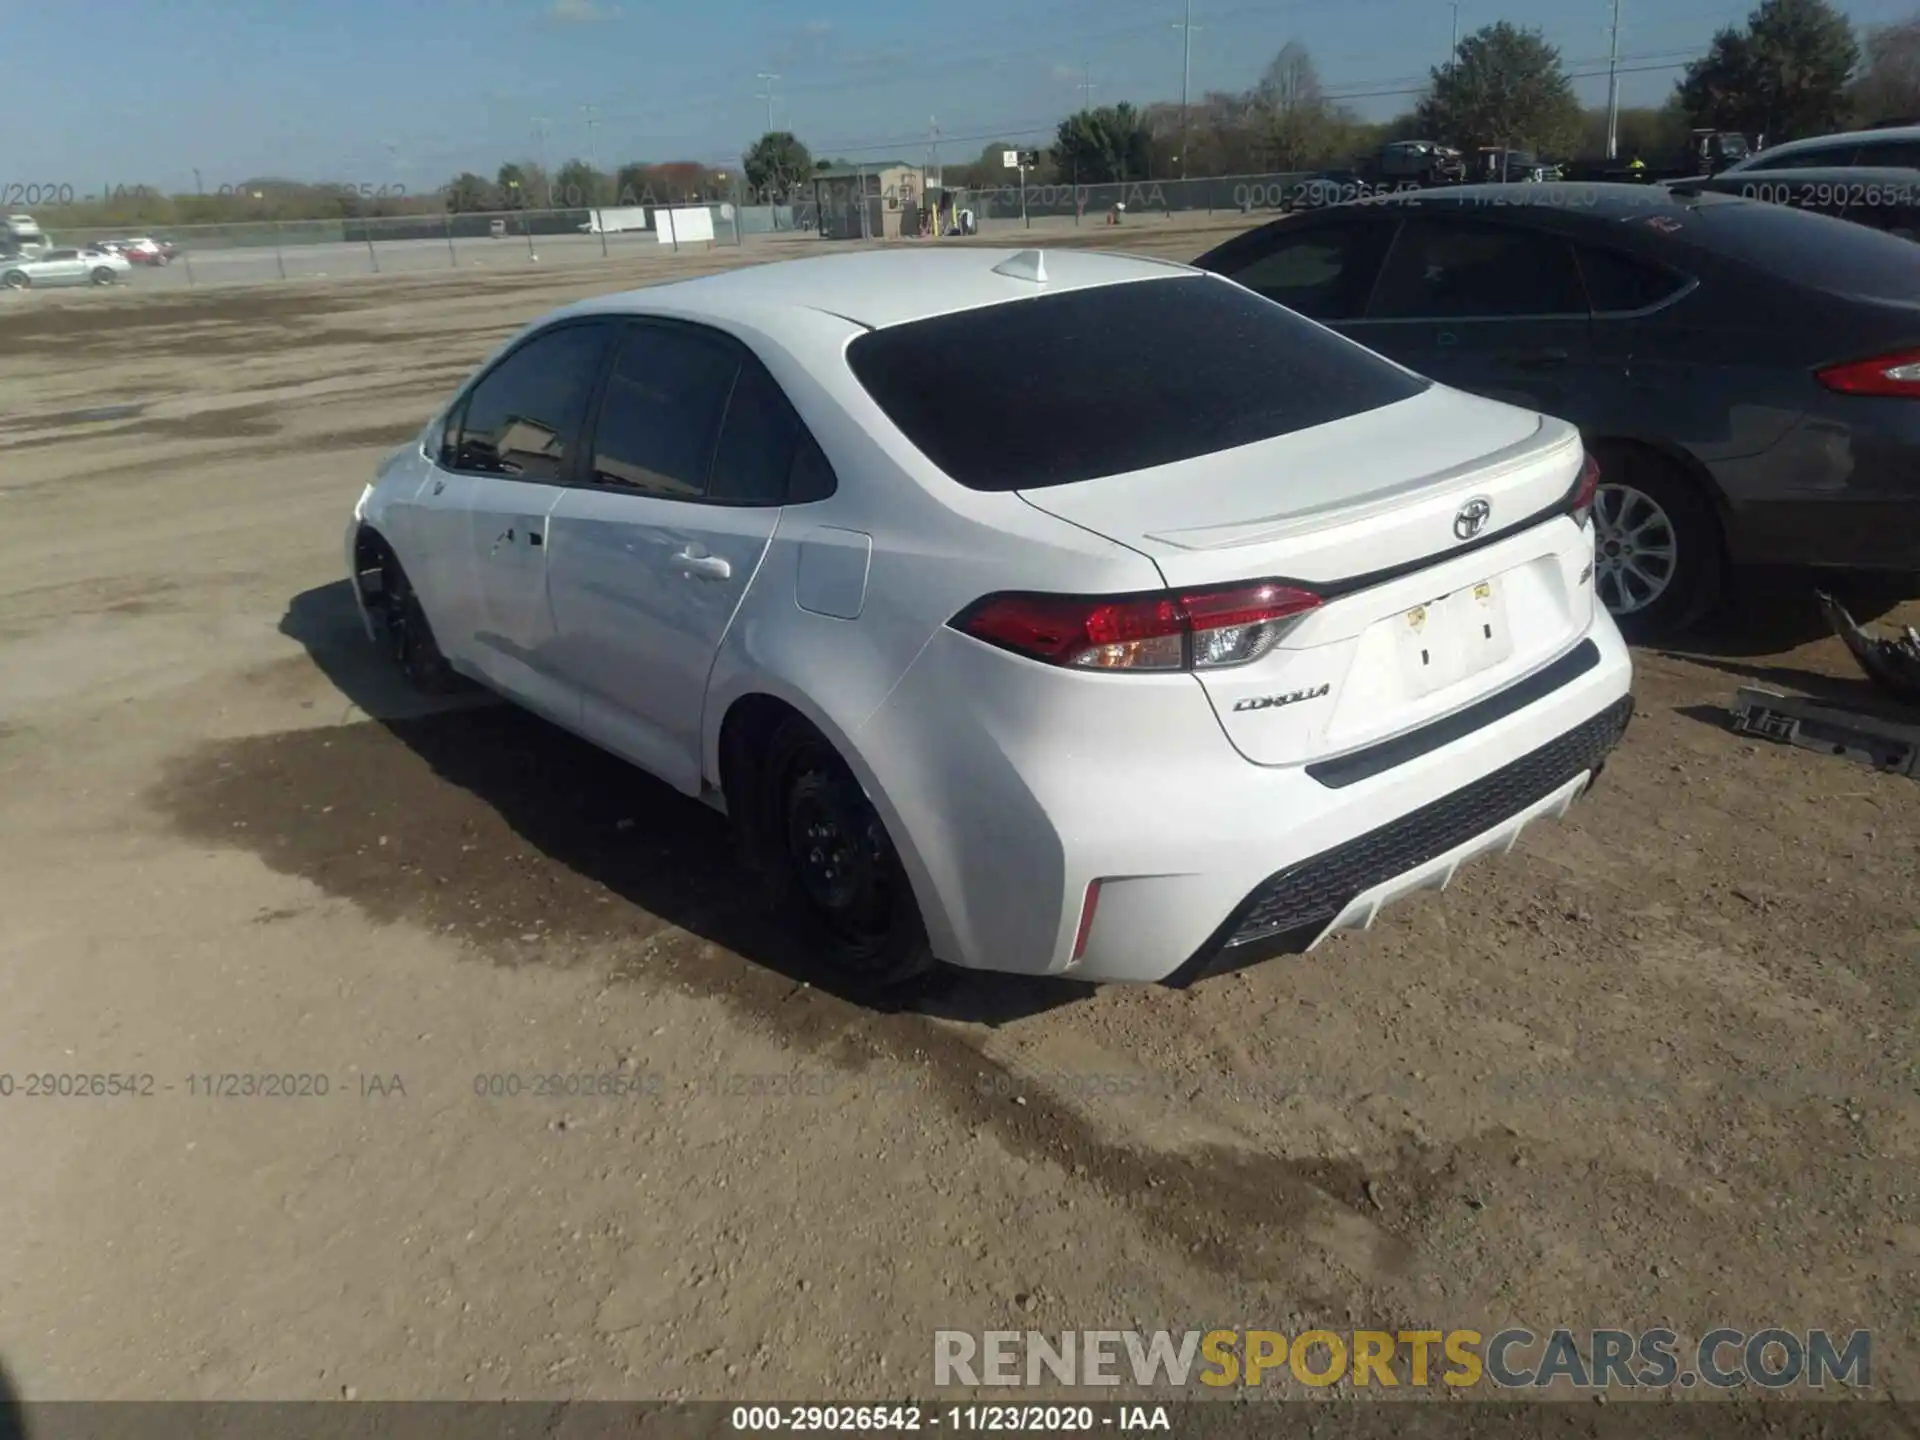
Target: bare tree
column 1296, row 120
column 1889, row 83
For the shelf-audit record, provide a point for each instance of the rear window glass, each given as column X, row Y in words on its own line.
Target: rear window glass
column 1815, row 250
column 1113, row 378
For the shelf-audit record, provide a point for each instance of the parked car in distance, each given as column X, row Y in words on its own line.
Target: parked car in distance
column 1883, row 199
column 145, row 250
column 64, row 267
column 1747, row 374
column 1225, row 632
column 1883, row 147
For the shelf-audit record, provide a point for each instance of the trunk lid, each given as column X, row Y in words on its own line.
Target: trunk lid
column 1427, row 526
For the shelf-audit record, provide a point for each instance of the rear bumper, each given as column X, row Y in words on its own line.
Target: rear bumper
column 1345, row 888
column 1006, row 823
column 1839, row 491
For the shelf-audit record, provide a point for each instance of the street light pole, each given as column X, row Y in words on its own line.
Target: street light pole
column 1186, row 81
column 1613, row 88
column 769, row 77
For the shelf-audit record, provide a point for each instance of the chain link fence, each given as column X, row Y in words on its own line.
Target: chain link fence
column 256, row 251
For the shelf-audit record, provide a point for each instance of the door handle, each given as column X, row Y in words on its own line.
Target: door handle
column 703, row 567
column 1537, row 359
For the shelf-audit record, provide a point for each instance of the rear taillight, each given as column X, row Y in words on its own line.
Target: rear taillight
column 1892, row 375
column 1580, row 500
column 1175, row 630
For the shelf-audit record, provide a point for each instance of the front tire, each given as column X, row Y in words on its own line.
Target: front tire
column 409, row 637
column 104, row 275
column 834, row 867
column 1657, row 547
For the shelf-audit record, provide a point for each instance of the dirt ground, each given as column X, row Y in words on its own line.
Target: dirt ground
column 1657, row 1066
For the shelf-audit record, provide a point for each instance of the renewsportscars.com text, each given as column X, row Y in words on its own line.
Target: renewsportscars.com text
column 1770, row 1358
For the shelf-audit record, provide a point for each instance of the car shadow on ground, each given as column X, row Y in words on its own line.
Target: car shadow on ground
column 13, row 1422
column 606, row 822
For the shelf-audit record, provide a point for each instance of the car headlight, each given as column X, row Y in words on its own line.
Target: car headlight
column 360, row 505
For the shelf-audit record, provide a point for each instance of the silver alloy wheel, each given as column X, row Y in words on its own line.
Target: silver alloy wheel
column 1635, row 550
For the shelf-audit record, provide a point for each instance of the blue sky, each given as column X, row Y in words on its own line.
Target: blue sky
column 411, row 91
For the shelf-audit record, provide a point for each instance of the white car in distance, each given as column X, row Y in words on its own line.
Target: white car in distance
column 1065, row 613
column 65, row 267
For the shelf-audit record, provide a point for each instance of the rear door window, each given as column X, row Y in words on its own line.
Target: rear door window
column 1893, row 154
column 1113, row 378
column 1447, row 269
column 1815, row 157
column 1618, row 284
column 659, row 424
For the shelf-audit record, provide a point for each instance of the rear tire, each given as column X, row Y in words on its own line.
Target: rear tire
column 1658, row 556
column 833, row 866
column 16, row 280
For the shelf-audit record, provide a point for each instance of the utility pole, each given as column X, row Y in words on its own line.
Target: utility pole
column 593, row 153
column 768, row 77
column 1453, row 45
column 541, row 129
column 1186, row 79
column 1086, row 87
column 1613, row 87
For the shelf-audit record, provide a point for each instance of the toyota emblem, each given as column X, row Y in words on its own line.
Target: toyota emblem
column 1471, row 518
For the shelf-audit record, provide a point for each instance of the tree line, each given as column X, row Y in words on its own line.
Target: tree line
column 1795, row 68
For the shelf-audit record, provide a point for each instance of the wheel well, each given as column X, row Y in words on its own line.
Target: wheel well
column 744, row 734
column 370, row 553
column 1678, row 462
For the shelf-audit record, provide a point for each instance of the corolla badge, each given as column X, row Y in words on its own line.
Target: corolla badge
column 1471, row 518
column 1293, row 697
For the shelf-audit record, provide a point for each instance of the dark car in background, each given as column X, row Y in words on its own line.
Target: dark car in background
column 1746, row 373
column 1885, row 199
column 1882, row 147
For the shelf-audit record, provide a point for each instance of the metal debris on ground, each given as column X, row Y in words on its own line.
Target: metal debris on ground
column 1813, row 725
column 1893, row 665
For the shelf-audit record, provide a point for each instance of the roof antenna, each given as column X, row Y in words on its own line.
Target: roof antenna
column 1027, row 265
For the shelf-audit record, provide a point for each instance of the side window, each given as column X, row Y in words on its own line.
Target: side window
column 1324, row 274
column 1443, row 269
column 1894, row 154
column 811, row 475
column 660, row 417
column 757, row 441
column 1617, row 283
column 1817, row 157
column 523, row 416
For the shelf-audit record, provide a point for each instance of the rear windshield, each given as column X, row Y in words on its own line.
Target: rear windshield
column 1806, row 248
column 1113, row 378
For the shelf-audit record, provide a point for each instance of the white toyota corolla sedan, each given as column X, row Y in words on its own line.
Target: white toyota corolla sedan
column 1057, row 612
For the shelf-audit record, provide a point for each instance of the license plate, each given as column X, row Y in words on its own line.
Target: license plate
column 1456, row 636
